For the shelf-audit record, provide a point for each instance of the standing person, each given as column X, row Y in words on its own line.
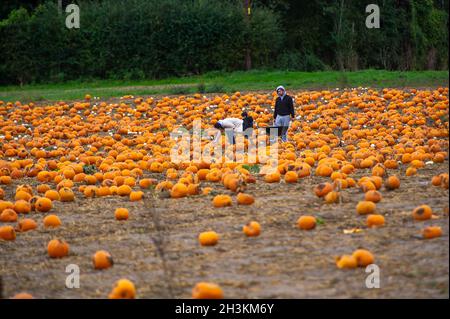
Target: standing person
column 247, row 121
column 284, row 111
column 247, row 127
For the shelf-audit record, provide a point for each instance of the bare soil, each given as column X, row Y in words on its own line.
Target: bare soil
column 283, row 262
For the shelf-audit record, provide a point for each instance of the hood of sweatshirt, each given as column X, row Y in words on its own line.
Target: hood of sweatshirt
column 281, row 88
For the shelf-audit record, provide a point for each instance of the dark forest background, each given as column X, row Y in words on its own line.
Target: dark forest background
column 140, row 39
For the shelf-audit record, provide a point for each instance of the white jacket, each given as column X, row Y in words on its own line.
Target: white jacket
column 230, row 123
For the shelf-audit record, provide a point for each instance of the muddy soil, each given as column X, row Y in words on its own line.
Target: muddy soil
column 283, row 262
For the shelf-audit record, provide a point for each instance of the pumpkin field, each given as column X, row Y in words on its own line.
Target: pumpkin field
column 90, row 185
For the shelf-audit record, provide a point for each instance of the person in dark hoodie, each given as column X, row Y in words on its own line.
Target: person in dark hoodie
column 247, row 121
column 284, row 111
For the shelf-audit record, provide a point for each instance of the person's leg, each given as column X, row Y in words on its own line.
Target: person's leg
column 285, row 124
column 248, row 133
column 278, row 123
column 278, row 120
column 230, row 135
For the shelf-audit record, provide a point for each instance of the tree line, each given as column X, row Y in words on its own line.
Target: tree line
column 138, row 39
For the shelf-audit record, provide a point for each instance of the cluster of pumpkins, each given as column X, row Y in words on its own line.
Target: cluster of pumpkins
column 94, row 149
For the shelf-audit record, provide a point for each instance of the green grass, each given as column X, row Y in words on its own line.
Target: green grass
column 254, row 169
column 218, row 82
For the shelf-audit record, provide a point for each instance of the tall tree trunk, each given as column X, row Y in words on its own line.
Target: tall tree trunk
column 352, row 55
column 431, row 59
column 409, row 57
column 339, row 50
column 248, row 53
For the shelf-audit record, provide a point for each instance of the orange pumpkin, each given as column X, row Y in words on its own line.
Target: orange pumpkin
column 136, row 196
column 373, row 196
column 7, row 233
column 306, row 222
column 332, row 197
column 123, row 289
column 179, row 190
column 121, row 214
column 8, row 216
column 432, row 232
column 26, row 225
column 365, row 207
column 57, row 248
column 102, row 260
column 346, row 262
column 124, row 190
column 43, row 204
column 52, row 195
column 375, row 220
column 222, row 201
column 206, row 290
column 363, row 257
column 209, row 238
column 323, row 189
column 392, row 182
column 66, row 194
column 274, row 177
column 22, row 206
column 52, row 221
column 252, row 229
column 423, row 212
column 245, row 199
column 22, row 295
column 291, row 177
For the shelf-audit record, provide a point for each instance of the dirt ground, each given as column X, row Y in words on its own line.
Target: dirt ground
column 283, row 262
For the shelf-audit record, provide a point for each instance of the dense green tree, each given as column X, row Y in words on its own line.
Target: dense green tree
column 137, row 39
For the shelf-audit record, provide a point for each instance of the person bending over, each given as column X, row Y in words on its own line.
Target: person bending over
column 231, row 126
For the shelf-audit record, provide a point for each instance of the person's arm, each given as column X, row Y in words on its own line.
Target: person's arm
column 217, row 137
column 292, row 108
column 275, row 113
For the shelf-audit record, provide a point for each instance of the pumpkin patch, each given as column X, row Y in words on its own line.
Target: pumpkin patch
column 67, row 166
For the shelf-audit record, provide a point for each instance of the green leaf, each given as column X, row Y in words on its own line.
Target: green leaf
column 319, row 221
column 254, row 169
column 89, row 169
